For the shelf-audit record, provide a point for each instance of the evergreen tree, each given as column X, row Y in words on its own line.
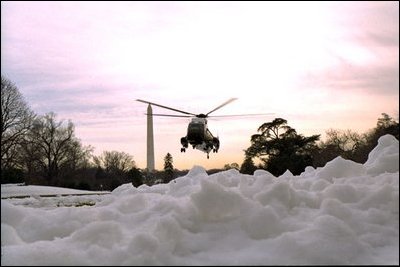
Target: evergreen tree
column 168, row 168
column 248, row 166
column 281, row 148
column 136, row 176
column 386, row 125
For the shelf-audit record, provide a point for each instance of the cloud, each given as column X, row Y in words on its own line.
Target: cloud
column 364, row 50
column 89, row 61
column 377, row 80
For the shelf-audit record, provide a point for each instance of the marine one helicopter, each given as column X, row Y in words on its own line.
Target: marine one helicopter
column 198, row 135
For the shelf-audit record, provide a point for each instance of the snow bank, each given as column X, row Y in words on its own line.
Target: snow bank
column 343, row 213
column 384, row 157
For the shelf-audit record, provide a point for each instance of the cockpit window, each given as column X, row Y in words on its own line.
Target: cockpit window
column 196, row 127
column 195, row 131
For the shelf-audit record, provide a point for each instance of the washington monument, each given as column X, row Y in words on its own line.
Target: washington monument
column 150, row 140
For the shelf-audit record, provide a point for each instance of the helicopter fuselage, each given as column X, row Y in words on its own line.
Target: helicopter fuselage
column 199, row 137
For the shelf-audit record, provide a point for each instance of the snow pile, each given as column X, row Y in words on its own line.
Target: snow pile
column 343, row 213
column 384, row 157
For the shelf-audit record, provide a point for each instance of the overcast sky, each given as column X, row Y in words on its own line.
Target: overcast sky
column 319, row 65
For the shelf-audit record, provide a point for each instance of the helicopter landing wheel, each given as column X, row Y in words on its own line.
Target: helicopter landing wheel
column 208, row 156
column 183, row 149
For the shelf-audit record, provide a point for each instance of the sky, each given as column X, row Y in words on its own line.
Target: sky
column 319, row 65
column 344, row 213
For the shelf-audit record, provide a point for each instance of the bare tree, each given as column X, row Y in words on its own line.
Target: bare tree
column 115, row 168
column 115, row 162
column 343, row 140
column 231, row 166
column 16, row 120
column 51, row 147
column 344, row 143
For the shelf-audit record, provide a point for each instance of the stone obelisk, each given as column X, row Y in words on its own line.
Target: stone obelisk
column 150, row 140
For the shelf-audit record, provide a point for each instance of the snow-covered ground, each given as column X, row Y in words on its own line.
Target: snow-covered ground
column 344, row 213
column 20, row 190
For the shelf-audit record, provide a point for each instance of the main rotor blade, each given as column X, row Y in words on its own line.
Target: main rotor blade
column 241, row 115
column 170, row 115
column 223, row 104
column 161, row 106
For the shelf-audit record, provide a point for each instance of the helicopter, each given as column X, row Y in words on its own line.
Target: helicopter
column 198, row 135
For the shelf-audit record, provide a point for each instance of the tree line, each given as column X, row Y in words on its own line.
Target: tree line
column 42, row 150
column 279, row 147
column 39, row 149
